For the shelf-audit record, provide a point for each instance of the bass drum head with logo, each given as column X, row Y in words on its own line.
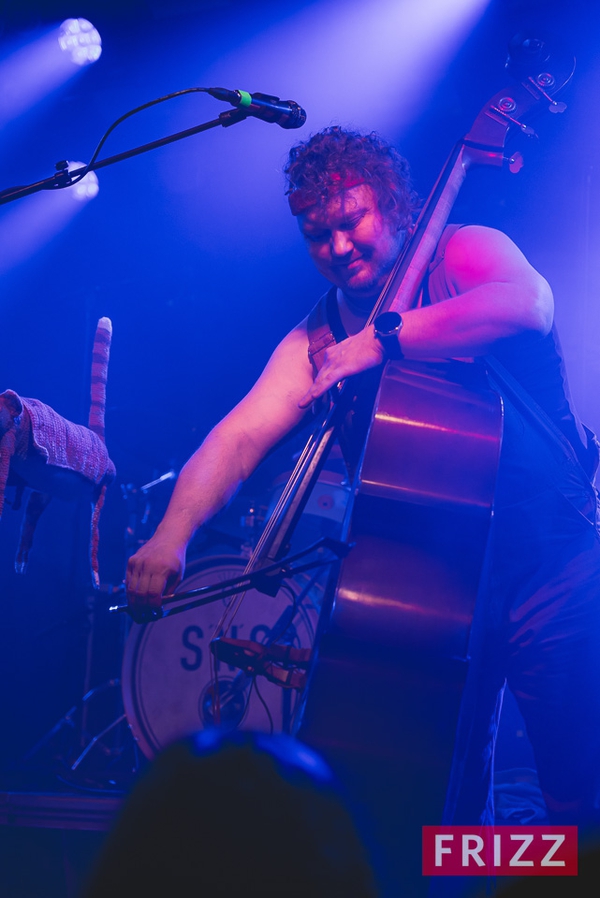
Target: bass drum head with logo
column 167, row 688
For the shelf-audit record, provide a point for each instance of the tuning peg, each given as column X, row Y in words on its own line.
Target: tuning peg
column 515, row 163
column 547, row 80
column 557, row 106
column 507, row 105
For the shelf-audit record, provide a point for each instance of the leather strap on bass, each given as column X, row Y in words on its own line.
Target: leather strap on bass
column 320, row 334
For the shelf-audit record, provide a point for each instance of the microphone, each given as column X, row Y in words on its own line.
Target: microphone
column 285, row 113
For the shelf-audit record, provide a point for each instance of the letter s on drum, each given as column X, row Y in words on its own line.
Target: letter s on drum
column 186, row 637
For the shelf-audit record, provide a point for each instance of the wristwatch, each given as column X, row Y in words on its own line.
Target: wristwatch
column 387, row 329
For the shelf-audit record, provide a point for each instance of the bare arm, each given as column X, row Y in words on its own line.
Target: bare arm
column 228, row 456
column 499, row 296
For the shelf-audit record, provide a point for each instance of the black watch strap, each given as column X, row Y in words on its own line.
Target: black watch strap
column 387, row 330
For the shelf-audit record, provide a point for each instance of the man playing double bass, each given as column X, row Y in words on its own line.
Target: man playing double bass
column 540, row 629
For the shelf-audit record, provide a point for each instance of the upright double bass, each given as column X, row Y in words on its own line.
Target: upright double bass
column 392, row 651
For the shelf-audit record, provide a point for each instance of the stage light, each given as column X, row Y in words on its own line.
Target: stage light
column 379, row 71
column 80, row 40
column 29, row 73
column 376, row 66
column 87, row 188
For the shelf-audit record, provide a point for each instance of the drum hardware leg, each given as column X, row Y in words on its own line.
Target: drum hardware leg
column 65, row 720
column 95, row 739
column 306, row 591
column 68, row 719
column 74, row 719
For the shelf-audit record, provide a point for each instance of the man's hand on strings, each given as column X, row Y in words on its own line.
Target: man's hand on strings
column 353, row 355
column 155, row 570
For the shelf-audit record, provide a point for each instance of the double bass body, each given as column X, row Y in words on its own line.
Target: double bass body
column 392, row 653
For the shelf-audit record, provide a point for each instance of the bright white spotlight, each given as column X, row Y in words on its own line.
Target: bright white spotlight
column 80, row 40
column 87, row 188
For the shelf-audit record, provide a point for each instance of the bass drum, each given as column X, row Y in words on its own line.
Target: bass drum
column 167, row 688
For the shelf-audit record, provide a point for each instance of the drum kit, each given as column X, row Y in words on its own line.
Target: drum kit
column 170, row 684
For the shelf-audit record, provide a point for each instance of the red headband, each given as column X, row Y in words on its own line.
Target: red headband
column 302, row 198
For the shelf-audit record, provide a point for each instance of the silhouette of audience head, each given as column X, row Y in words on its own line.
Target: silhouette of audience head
column 233, row 815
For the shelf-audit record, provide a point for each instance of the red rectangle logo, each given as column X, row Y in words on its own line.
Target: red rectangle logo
column 499, row 851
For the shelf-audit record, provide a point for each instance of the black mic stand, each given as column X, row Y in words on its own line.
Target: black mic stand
column 64, row 178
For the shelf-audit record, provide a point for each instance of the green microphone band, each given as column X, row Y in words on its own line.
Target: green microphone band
column 246, row 98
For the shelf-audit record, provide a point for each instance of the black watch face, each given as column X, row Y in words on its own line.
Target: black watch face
column 387, row 329
column 387, row 323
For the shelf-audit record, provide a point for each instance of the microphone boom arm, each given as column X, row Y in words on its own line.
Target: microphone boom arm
column 64, row 178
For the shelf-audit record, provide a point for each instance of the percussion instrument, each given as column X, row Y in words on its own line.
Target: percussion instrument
column 166, row 679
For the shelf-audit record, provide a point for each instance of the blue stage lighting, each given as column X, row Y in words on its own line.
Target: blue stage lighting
column 87, row 188
column 80, row 40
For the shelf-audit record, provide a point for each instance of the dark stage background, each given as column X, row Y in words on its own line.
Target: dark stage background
column 192, row 253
